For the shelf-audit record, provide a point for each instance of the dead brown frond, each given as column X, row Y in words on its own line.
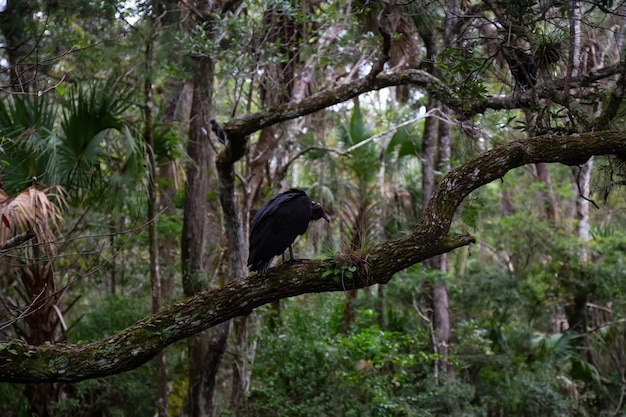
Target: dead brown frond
column 32, row 210
column 403, row 51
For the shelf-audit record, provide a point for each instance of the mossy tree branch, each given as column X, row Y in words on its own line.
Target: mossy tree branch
column 431, row 236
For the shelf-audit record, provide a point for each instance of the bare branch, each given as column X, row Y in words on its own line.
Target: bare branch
column 16, row 241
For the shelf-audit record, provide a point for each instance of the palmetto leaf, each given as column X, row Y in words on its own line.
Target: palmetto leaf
column 92, row 128
column 26, row 126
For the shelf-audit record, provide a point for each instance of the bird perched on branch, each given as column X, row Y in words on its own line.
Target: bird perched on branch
column 219, row 132
column 277, row 225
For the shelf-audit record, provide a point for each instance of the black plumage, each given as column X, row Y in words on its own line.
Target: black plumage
column 277, row 225
column 219, row 132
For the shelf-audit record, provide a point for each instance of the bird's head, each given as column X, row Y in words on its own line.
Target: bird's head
column 318, row 212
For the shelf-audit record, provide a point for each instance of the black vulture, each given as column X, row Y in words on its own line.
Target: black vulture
column 219, row 132
column 277, row 225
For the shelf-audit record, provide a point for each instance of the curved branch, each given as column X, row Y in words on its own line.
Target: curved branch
column 241, row 127
column 137, row 344
column 252, row 122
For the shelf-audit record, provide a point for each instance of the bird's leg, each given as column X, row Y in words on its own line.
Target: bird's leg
column 291, row 259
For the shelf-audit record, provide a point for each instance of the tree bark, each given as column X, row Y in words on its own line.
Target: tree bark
column 196, row 225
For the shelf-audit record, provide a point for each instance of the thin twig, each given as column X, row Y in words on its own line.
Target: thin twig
column 16, row 241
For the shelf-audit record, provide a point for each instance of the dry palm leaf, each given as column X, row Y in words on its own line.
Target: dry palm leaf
column 32, row 210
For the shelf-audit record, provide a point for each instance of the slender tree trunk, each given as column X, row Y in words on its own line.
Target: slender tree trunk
column 276, row 86
column 439, row 292
column 549, row 198
column 439, row 295
column 573, row 14
column 429, row 142
column 153, row 245
column 178, row 96
column 581, row 177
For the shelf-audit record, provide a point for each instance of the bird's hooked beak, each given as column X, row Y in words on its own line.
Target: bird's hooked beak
column 318, row 212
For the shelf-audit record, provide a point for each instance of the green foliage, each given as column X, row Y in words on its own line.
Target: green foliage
column 368, row 372
column 307, row 366
column 464, row 67
column 339, row 272
column 363, row 162
column 89, row 150
column 96, row 149
column 472, row 208
column 130, row 393
column 113, row 313
column 26, row 129
column 406, row 142
column 13, row 402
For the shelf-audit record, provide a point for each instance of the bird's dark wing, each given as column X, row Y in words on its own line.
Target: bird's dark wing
column 276, row 225
column 272, row 206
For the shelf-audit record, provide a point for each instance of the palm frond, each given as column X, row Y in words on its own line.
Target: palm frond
column 32, row 210
column 26, row 127
column 92, row 126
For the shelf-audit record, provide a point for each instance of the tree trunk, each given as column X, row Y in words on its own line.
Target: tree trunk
column 429, row 142
column 153, row 244
column 15, row 21
column 196, row 226
column 440, row 139
column 236, row 260
column 41, row 328
column 438, row 292
column 549, row 199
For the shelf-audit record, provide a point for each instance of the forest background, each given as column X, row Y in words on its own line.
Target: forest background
column 470, row 154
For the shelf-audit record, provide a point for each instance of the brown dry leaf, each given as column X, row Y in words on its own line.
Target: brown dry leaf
column 33, row 210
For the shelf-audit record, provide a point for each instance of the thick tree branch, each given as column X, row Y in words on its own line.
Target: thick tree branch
column 137, row 344
column 252, row 122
